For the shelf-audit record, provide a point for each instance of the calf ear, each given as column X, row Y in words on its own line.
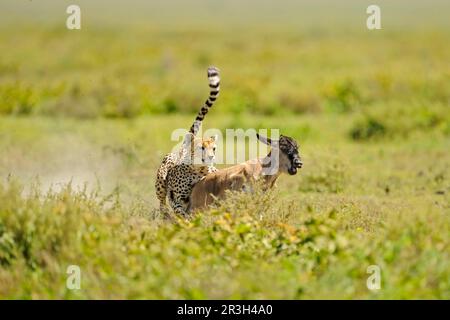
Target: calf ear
column 267, row 141
column 215, row 138
column 264, row 140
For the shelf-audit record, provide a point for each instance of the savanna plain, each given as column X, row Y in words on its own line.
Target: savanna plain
column 87, row 115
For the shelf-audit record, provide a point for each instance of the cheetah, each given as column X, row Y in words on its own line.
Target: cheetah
column 182, row 177
column 190, row 147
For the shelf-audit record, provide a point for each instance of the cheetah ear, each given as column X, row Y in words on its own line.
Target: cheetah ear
column 268, row 141
column 215, row 137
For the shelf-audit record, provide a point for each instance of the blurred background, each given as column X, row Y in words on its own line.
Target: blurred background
column 136, row 71
column 149, row 57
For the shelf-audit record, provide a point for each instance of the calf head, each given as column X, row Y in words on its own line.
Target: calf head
column 289, row 158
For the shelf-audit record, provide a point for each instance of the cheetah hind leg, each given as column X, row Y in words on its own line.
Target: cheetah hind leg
column 161, row 194
column 179, row 205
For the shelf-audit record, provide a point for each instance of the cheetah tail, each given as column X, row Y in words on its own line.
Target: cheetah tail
column 214, row 85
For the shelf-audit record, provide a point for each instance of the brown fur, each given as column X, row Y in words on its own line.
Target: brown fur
column 243, row 176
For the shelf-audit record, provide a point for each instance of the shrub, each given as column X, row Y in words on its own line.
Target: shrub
column 368, row 129
column 392, row 121
column 343, row 96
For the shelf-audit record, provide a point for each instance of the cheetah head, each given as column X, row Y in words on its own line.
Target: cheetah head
column 203, row 151
column 207, row 149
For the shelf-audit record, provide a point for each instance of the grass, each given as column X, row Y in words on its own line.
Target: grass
column 86, row 117
column 244, row 249
column 352, row 205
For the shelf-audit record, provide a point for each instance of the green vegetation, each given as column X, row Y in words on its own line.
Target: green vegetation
column 257, row 251
column 86, row 117
column 352, row 205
